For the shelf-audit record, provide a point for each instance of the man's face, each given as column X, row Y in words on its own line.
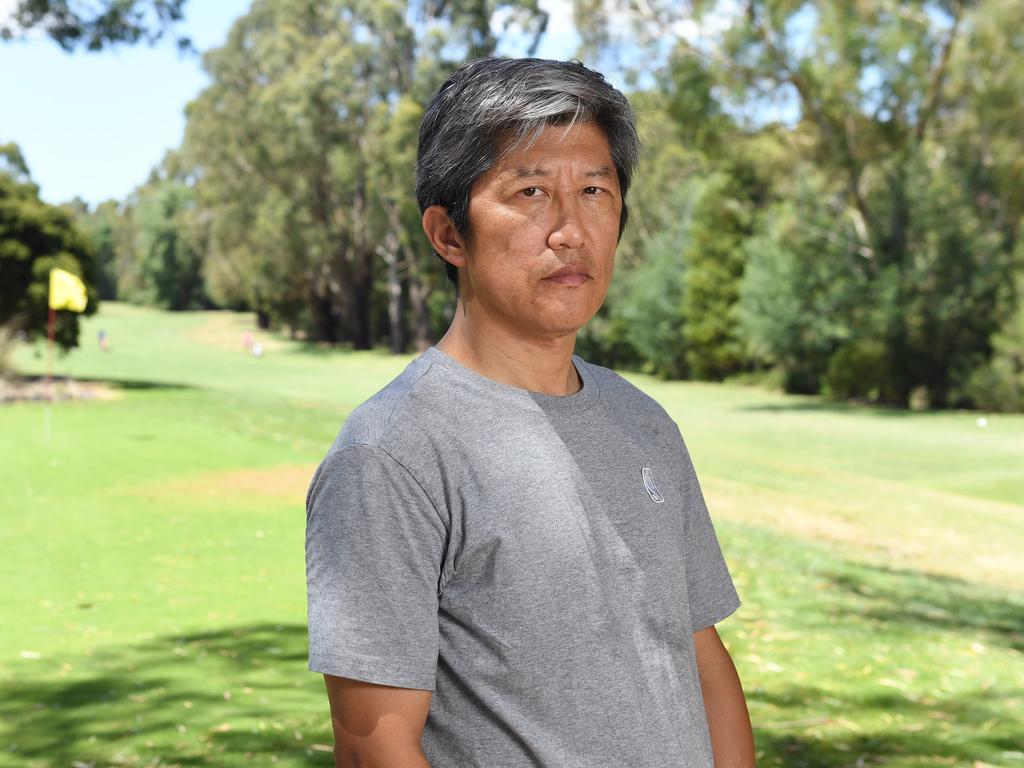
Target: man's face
column 544, row 223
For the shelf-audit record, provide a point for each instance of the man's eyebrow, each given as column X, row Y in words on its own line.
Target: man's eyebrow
column 603, row 171
column 528, row 173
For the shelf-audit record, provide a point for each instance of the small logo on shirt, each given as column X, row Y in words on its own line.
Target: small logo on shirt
column 652, row 489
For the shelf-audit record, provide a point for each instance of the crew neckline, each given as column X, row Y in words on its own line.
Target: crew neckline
column 579, row 400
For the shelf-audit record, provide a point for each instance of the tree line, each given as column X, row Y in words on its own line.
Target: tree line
column 831, row 197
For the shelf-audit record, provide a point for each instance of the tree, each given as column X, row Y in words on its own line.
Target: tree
column 301, row 149
column 873, row 96
column 94, row 26
column 280, row 143
column 998, row 384
column 802, row 295
column 109, row 231
column 412, row 271
column 169, row 262
column 640, row 324
column 34, row 238
column 882, row 98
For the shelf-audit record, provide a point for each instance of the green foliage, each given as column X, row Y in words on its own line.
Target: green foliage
column 831, row 192
column 803, row 294
column 885, row 234
column 303, row 153
column 951, row 292
column 715, row 259
column 648, row 301
column 169, row 263
column 857, row 369
column 280, row 141
column 94, row 26
column 109, row 229
column 34, row 238
column 642, row 322
column 413, row 272
column 998, row 384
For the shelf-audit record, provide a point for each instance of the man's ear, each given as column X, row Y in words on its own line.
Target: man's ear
column 443, row 236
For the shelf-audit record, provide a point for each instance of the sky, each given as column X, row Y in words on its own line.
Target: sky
column 92, row 125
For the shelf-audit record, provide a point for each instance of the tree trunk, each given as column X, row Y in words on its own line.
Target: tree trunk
column 895, row 253
column 359, row 293
column 422, row 337
column 361, row 286
column 396, row 335
column 325, row 319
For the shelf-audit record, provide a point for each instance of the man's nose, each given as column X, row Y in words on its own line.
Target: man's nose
column 567, row 232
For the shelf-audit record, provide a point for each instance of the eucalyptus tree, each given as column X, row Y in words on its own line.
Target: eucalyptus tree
column 922, row 237
column 303, row 149
column 901, row 116
column 94, row 25
column 280, row 143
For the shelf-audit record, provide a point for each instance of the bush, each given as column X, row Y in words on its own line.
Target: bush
column 857, row 369
column 996, row 387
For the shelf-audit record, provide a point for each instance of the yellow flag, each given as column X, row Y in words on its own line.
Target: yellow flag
column 66, row 291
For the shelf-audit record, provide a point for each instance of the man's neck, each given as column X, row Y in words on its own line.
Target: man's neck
column 538, row 365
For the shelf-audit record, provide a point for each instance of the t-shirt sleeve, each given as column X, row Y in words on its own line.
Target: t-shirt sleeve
column 375, row 545
column 709, row 586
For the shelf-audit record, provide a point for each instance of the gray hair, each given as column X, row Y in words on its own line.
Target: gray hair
column 494, row 105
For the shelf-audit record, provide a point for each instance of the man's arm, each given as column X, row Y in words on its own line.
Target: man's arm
column 377, row 726
column 732, row 738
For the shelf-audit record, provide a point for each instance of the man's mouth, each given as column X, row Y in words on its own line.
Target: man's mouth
column 571, row 276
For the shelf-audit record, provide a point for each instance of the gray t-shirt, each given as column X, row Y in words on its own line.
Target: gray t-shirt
column 539, row 562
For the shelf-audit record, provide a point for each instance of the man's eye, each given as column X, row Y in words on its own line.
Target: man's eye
column 530, row 192
column 592, row 190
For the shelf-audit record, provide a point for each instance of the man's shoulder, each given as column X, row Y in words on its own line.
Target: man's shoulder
column 390, row 409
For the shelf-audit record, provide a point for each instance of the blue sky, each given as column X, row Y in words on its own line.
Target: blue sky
column 92, row 125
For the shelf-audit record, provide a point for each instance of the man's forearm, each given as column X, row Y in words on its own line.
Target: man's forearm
column 732, row 737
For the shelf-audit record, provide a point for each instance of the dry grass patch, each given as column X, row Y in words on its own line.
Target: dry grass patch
column 906, row 525
column 227, row 330
column 283, row 482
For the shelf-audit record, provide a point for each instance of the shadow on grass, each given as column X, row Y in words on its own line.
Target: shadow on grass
column 820, row 728
column 342, row 349
column 238, row 696
column 133, row 385
column 127, row 384
column 930, row 602
column 921, row 736
column 241, row 695
column 318, row 349
column 835, row 406
column 860, row 750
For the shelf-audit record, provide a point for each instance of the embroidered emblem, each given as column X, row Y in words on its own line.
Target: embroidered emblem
column 652, row 489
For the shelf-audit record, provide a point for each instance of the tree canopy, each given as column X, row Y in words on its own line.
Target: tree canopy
column 34, row 238
column 95, row 25
column 830, row 197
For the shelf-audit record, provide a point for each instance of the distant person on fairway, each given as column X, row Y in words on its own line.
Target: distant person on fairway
column 509, row 559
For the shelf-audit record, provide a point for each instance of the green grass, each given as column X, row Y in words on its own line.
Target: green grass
column 152, row 571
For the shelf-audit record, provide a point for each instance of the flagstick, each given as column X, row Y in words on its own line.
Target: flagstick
column 51, row 329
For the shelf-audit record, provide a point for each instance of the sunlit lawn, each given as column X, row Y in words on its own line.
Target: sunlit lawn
column 153, row 597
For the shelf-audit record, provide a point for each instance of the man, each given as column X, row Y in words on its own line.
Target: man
column 509, row 558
